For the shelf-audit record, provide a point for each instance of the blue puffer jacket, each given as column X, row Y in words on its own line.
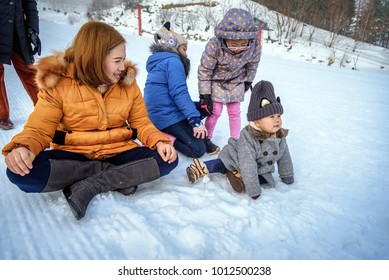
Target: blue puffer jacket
column 166, row 93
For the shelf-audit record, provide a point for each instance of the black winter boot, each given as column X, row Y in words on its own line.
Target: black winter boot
column 211, row 148
column 66, row 172
column 116, row 178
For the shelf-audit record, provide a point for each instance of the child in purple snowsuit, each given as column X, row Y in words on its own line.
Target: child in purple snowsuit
column 227, row 69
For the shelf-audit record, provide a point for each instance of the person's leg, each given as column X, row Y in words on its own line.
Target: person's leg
column 124, row 176
column 216, row 166
column 26, row 75
column 4, row 106
column 143, row 153
column 185, row 142
column 50, row 171
column 211, row 121
column 233, row 110
column 141, row 165
column 210, row 124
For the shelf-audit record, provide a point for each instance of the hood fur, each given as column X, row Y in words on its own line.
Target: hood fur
column 52, row 68
column 162, row 48
column 260, row 136
column 156, row 47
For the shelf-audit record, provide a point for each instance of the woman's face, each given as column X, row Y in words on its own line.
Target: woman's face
column 114, row 63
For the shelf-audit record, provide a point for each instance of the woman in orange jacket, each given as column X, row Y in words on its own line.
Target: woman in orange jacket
column 91, row 114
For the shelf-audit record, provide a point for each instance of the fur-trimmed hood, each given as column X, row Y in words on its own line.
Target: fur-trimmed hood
column 51, row 69
column 156, row 47
column 162, row 48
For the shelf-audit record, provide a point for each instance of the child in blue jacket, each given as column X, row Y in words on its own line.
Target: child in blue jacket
column 166, row 95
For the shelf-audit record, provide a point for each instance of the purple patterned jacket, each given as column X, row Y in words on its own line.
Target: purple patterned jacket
column 222, row 73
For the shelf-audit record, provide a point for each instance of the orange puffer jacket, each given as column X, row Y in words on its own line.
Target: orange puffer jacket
column 88, row 122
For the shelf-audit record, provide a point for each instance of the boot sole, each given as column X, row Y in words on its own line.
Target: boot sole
column 236, row 183
column 215, row 152
column 190, row 175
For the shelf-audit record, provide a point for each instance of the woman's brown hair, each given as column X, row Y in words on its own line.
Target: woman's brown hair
column 89, row 49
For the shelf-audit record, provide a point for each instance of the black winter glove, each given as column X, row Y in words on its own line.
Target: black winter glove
column 248, row 86
column 34, row 40
column 206, row 103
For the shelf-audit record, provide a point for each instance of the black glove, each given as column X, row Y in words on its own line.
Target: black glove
column 248, row 86
column 34, row 40
column 206, row 104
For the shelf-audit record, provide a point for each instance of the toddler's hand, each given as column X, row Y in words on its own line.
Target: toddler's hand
column 288, row 180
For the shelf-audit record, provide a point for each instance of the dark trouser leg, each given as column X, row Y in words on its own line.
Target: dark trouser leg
column 39, row 177
column 215, row 166
column 26, row 74
column 4, row 106
column 185, row 142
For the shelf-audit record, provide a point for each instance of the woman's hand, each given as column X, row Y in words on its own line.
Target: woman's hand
column 166, row 151
column 19, row 160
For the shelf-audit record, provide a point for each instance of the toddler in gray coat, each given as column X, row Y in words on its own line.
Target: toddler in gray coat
column 248, row 161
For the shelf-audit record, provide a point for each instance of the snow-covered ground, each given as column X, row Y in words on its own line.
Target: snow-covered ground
column 337, row 209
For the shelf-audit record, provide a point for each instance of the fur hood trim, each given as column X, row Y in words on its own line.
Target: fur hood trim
column 260, row 136
column 51, row 69
column 162, row 48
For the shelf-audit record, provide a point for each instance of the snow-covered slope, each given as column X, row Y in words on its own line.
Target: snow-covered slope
column 336, row 209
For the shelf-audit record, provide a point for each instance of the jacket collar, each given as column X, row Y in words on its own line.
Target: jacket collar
column 260, row 136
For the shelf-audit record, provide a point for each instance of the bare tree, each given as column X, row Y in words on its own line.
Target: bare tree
column 338, row 20
column 314, row 16
column 252, row 8
column 365, row 20
column 162, row 16
column 210, row 17
column 192, row 20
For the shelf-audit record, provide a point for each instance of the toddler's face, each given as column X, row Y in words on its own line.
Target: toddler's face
column 182, row 50
column 270, row 124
